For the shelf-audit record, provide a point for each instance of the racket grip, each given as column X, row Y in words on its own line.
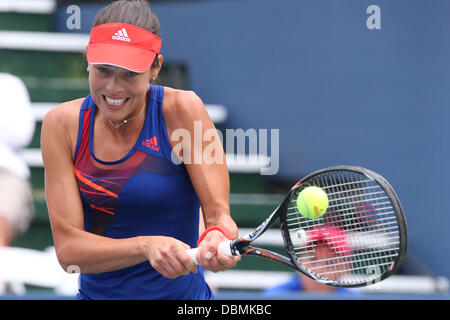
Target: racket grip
column 193, row 253
column 225, row 246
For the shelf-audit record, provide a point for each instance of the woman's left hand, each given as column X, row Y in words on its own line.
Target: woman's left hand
column 209, row 256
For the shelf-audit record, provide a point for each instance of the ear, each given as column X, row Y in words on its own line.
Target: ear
column 160, row 61
column 155, row 70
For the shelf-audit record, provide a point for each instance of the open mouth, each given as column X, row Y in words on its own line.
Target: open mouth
column 115, row 103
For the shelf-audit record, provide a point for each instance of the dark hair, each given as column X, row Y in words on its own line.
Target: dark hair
column 135, row 12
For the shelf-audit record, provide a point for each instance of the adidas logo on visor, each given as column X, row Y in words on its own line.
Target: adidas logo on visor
column 121, row 35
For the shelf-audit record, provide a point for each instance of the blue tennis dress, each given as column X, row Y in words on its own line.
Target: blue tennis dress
column 134, row 196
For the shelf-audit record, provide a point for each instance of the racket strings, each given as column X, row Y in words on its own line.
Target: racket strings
column 331, row 261
column 368, row 240
column 340, row 216
column 375, row 242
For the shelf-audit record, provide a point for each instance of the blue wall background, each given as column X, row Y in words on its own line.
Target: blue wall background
column 339, row 92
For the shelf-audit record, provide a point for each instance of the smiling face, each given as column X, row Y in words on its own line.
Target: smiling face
column 118, row 93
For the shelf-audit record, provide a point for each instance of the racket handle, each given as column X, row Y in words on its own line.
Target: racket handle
column 193, row 253
column 225, row 246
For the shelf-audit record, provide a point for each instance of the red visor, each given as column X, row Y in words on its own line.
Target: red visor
column 123, row 45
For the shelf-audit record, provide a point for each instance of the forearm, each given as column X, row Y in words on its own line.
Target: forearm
column 222, row 218
column 214, row 196
column 92, row 253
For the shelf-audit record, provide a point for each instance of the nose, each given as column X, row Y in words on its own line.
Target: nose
column 114, row 86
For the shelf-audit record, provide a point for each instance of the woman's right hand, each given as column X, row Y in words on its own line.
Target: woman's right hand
column 168, row 256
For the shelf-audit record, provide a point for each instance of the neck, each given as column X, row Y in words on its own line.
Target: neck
column 119, row 124
column 136, row 119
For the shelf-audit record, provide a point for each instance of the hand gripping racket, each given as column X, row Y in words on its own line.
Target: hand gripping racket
column 360, row 240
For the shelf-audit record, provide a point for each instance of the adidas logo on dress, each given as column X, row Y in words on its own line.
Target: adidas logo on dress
column 151, row 143
column 121, row 35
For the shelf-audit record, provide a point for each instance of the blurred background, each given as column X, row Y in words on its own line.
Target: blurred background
column 346, row 82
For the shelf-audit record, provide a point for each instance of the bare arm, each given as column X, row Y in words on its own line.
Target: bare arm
column 74, row 246
column 205, row 162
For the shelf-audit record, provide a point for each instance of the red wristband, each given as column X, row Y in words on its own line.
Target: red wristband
column 222, row 229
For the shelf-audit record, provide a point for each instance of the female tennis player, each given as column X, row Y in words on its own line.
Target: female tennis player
column 121, row 210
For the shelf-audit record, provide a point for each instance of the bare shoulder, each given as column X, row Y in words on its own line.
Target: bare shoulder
column 65, row 112
column 61, row 122
column 182, row 103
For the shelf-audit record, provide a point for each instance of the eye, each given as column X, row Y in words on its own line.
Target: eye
column 103, row 70
column 131, row 74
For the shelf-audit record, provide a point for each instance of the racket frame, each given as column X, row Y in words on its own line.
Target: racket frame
column 241, row 246
column 401, row 221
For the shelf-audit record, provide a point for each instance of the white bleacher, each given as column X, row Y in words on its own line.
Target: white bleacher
column 28, row 6
column 43, row 41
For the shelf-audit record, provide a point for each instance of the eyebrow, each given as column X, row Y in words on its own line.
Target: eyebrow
column 104, row 66
column 107, row 66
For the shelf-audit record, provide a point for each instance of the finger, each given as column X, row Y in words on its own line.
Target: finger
column 210, row 263
column 177, row 269
column 170, row 265
column 186, row 261
column 212, row 241
column 226, row 260
column 223, row 262
column 213, row 264
column 202, row 261
column 181, row 262
column 211, row 249
column 164, row 270
column 168, row 269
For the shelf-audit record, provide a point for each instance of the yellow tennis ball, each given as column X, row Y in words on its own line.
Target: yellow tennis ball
column 312, row 202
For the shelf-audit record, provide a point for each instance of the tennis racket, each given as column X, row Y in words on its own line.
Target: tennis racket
column 360, row 240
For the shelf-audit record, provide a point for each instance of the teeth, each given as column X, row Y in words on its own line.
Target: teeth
column 115, row 102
